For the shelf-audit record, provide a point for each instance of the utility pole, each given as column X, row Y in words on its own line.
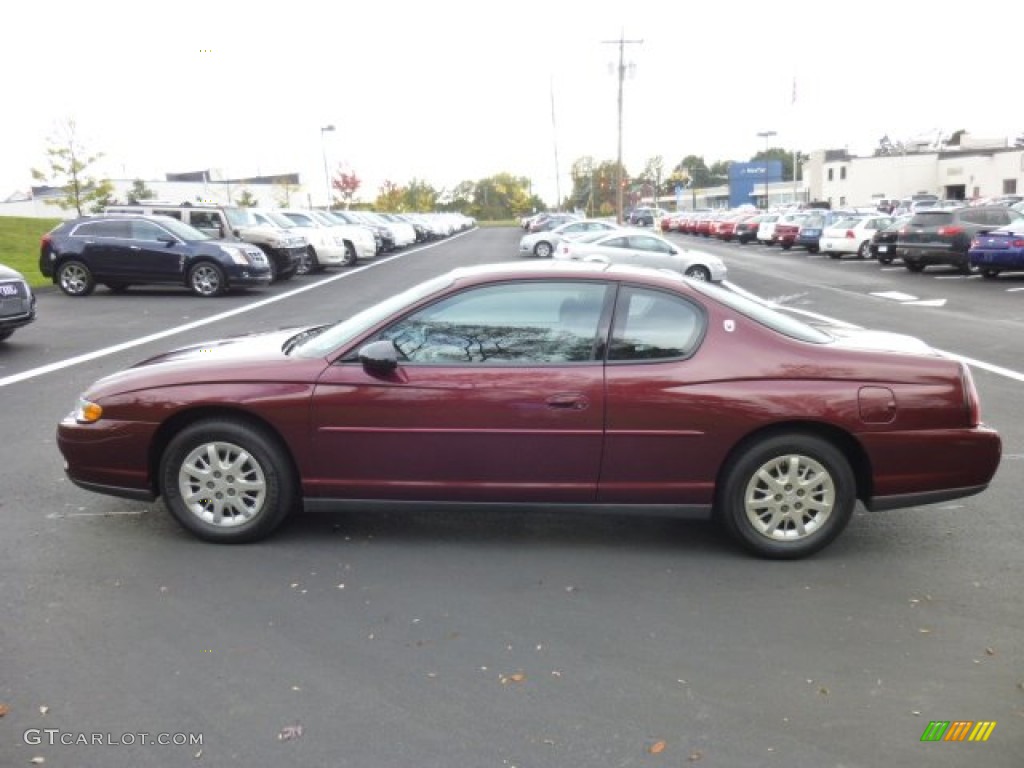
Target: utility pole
column 621, row 42
column 554, row 135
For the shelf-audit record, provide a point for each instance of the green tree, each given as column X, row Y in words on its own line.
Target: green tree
column 420, row 196
column 389, row 197
column 139, row 191
column 246, row 199
column 695, row 170
column 782, row 155
column 68, row 161
column 502, row 196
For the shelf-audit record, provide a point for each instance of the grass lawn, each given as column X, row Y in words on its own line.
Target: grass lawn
column 19, row 245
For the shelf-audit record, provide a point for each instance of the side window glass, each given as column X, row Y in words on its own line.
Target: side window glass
column 171, row 213
column 617, row 242
column 108, row 228
column 208, row 222
column 651, row 325
column 147, row 230
column 531, row 323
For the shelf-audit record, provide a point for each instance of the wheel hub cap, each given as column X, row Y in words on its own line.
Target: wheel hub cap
column 789, row 498
column 222, row 484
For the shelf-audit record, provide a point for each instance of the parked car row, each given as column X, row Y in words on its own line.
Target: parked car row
column 986, row 238
column 213, row 249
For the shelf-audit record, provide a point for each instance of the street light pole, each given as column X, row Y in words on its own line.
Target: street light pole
column 327, row 174
column 766, row 135
column 621, row 42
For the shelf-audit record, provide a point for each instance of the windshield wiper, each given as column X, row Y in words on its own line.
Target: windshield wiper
column 302, row 336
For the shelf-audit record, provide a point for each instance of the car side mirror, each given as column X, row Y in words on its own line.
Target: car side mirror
column 166, row 240
column 379, row 356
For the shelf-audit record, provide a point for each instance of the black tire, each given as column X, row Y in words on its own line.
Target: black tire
column 990, row 273
column 835, row 255
column 777, row 488
column 350, row 255
column 272, row 261
column 307, row 263
column 542, row 250
column 812, row 249
column 885, row 259
column 964, row 267
column 786, row 246
column 864, row 252
column 698, row 272
column 207, row 279
column 251, row 493
column 913, row 266
column 5, row 335
column 75, row 278
column 116, row 287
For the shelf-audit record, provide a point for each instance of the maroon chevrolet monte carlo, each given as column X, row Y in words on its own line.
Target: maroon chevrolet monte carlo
column 561, row 385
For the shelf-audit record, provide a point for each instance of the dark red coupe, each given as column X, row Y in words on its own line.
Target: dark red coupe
column 553, row 384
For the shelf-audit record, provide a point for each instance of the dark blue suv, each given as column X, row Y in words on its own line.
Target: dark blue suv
column 123, row 250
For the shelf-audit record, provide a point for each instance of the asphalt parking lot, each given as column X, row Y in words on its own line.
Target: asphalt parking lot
column 448, row 639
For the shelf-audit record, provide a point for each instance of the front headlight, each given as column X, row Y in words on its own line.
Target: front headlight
column 87, row 412
column 237, row 255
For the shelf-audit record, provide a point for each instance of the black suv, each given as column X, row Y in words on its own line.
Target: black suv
column 943, row 235
column 17, row 302
column 123, row 250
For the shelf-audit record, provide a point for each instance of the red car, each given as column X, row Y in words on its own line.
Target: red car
column 551, row 384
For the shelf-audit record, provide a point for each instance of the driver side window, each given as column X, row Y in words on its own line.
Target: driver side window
column 527, row 323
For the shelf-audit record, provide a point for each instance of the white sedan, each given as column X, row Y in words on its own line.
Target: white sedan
column 642, row 249
column 852, row 236
column 543, row 244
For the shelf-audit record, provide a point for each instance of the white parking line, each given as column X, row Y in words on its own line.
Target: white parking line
column 60, row 365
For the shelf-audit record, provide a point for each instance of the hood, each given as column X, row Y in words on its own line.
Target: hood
column 254, row 346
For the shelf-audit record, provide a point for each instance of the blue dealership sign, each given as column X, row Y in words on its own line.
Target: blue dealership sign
column 745, row 178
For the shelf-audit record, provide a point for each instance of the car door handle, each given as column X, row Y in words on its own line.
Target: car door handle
column 568, row 401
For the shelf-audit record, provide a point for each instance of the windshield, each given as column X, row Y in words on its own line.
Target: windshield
column 280, row 220
column 766, row 314
column 239, row 217
column 341, row 333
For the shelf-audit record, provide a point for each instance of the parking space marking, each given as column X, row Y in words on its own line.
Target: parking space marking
column 69, row 362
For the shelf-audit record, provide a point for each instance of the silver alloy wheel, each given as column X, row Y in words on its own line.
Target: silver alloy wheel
column 74, row 279
column 222, row 484
column 206, row 280
column 789, row 498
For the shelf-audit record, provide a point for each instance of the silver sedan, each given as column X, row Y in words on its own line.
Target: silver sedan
column 643, row 249
column 543, row 244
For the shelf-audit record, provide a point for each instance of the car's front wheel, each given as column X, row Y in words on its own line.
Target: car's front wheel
column 350, row 256
column 787, row 496
column 227, row 481
column 542, row 250
column 864, row 252
column 206, row 279
column 75, row 278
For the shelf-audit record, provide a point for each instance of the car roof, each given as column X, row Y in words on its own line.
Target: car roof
column 559, row 269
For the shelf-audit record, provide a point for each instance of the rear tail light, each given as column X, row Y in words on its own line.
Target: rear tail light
column 970, row 395
column 45, row 241
column 950, row 231
column 1017, row 243
column 849, row 234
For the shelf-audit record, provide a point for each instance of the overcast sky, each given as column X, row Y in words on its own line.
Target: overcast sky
column 447, row 91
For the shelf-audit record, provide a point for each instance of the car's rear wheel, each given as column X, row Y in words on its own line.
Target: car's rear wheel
column 787, row 496
column 864, row 252
column 542, row 250
column 698, row 272
column 913, row 266
column 226, row 481
column 75, row 278
column 117, row 287
column 206, row 279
